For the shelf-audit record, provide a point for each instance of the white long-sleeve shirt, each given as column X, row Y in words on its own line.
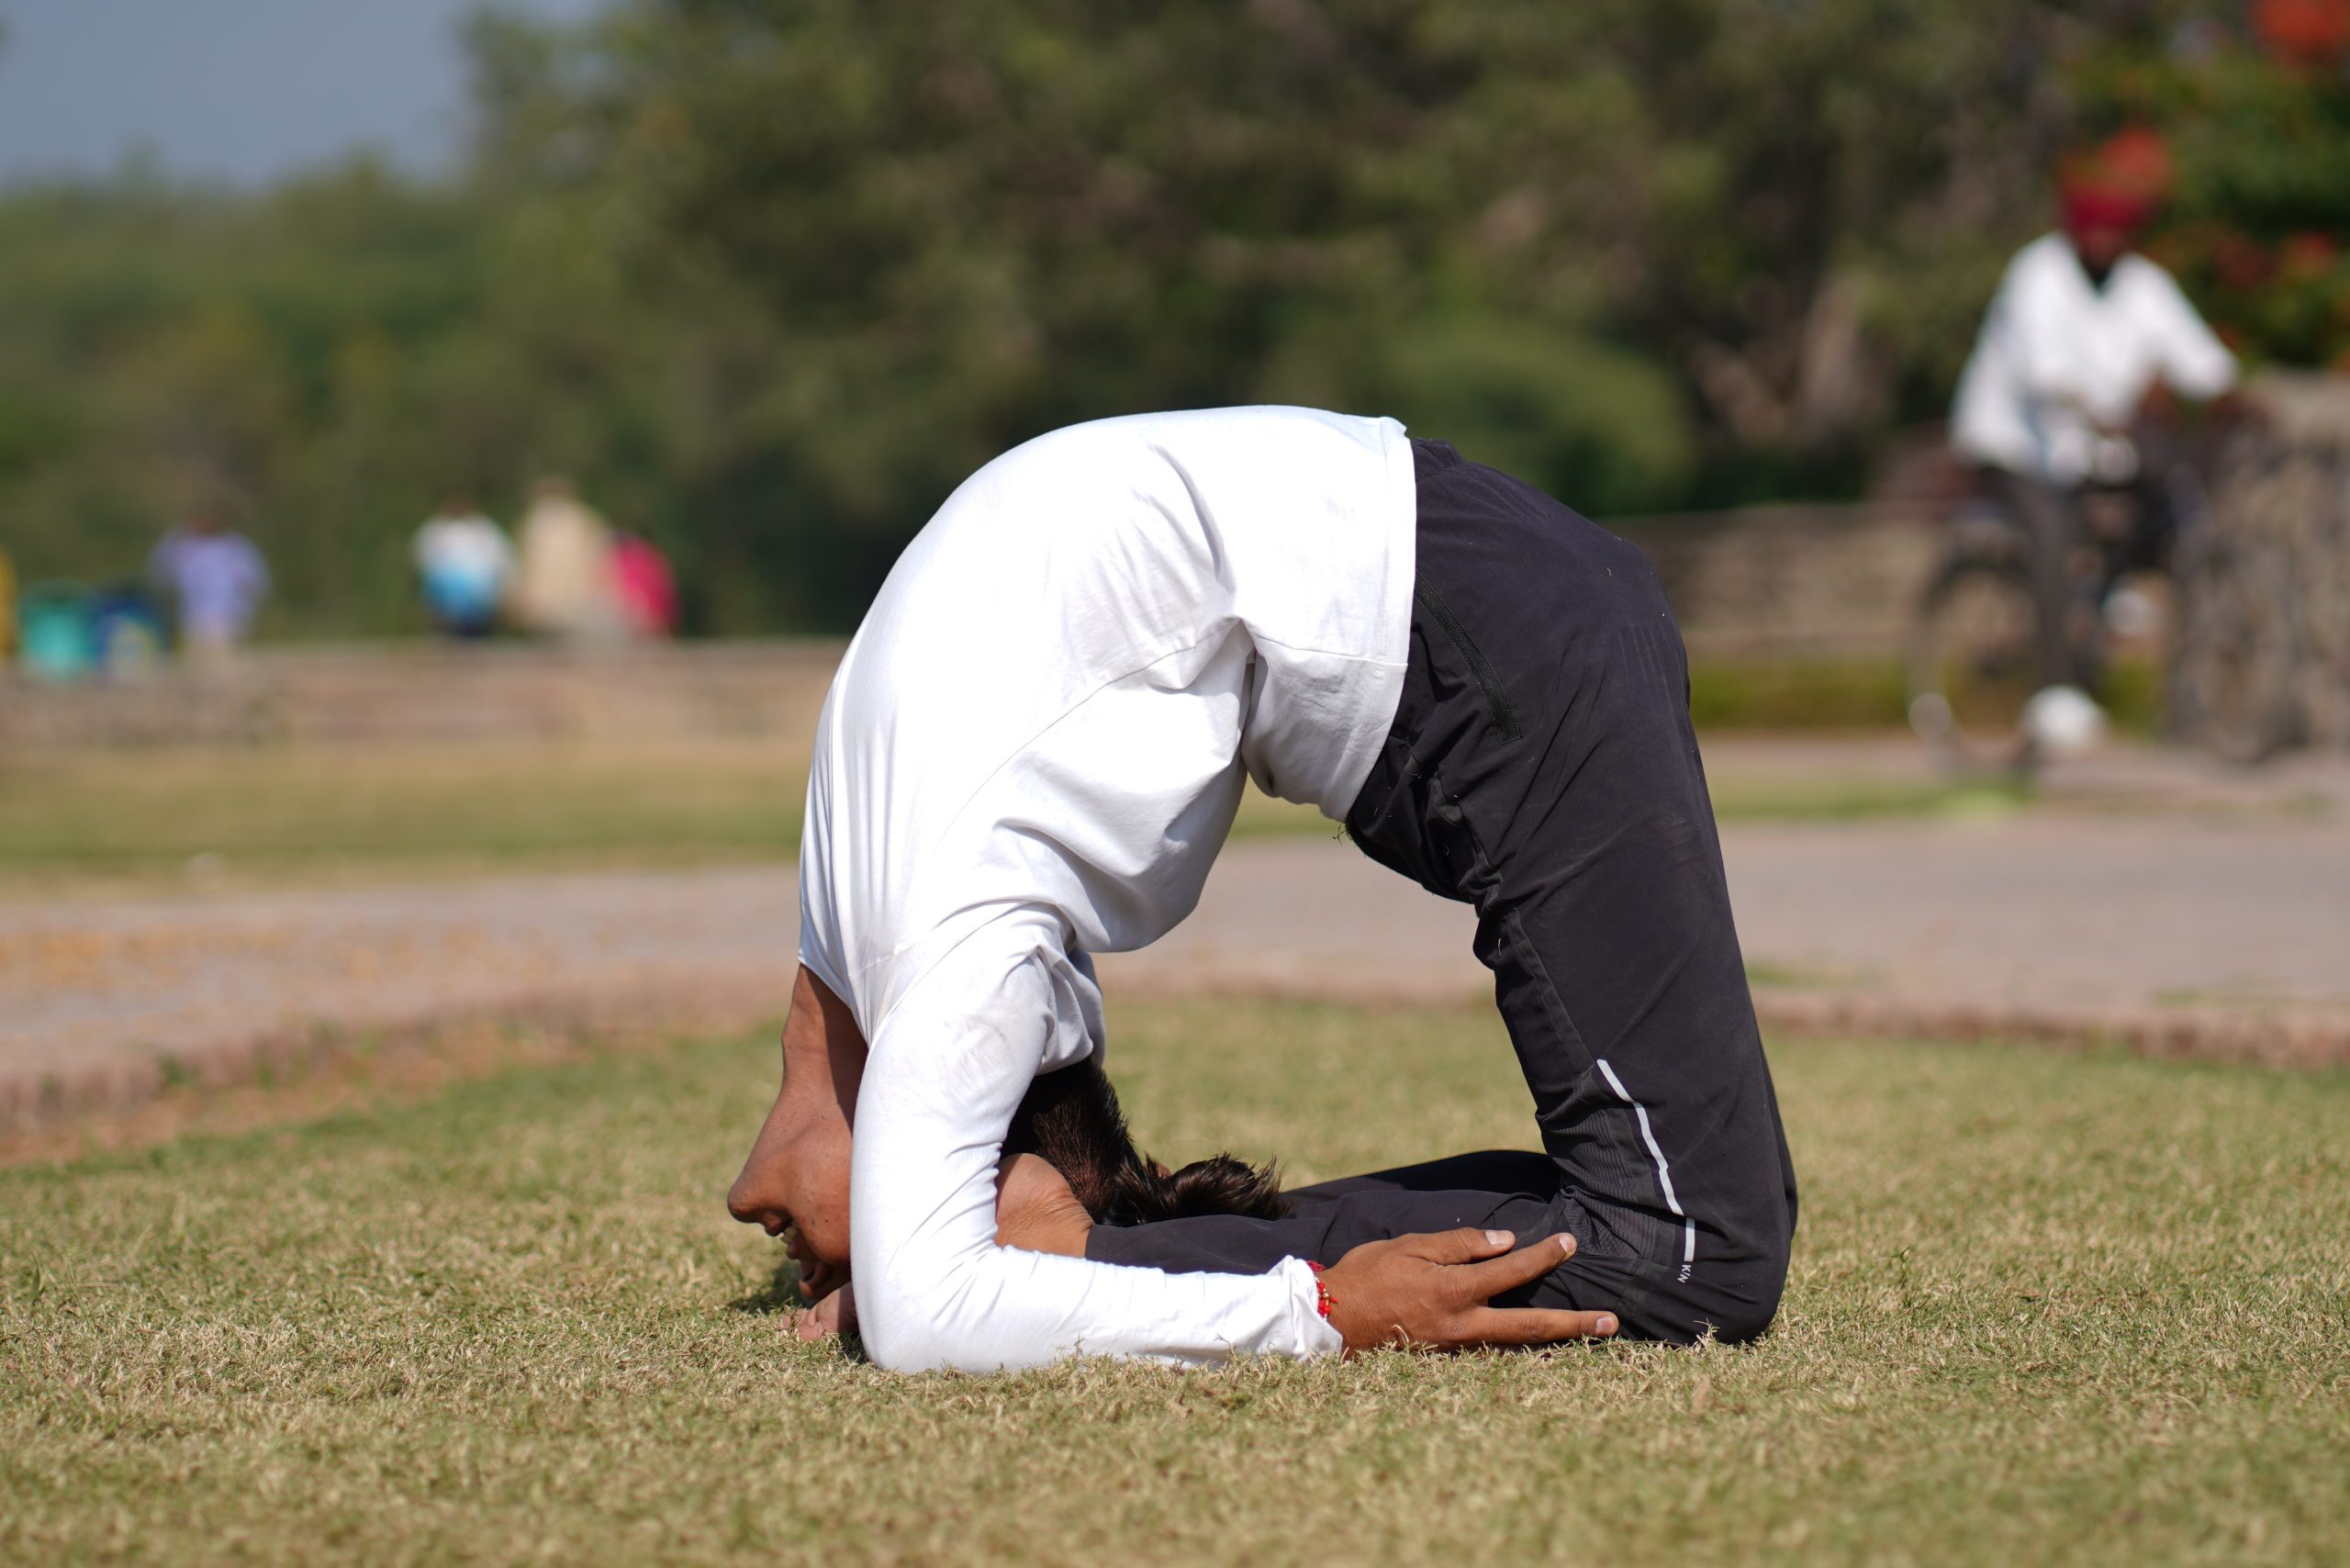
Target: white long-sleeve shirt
column 1031, row 752
column 2057, row 356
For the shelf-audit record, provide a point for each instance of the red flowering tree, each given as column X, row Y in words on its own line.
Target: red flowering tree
column 2255, row 124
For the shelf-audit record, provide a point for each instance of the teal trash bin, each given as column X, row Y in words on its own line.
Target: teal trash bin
column 54, row 635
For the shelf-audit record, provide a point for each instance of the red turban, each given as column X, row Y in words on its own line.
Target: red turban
column 2119, row 184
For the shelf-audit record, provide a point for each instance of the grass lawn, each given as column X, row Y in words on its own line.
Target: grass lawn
column 264, row 814
column 2046, row 1308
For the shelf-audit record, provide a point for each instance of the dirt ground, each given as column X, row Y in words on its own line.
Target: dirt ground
column 2143, row 895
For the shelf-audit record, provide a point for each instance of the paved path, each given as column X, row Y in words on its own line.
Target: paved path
column 2200, row 920
column 101, row 1001
column 2215, row 937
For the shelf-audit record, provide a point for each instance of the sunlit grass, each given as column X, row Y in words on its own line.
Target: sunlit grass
column 205, row 815
column 2046, row 1308
column 264, row 814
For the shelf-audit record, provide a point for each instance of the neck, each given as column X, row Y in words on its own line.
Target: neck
column 822, row 1051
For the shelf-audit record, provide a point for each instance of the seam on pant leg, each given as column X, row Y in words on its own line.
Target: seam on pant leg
column 1663, row 1170
column 1481, row 668
column 1631, row 1171
column 1630, row 1168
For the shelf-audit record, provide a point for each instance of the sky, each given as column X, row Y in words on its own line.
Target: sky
column 234, row 90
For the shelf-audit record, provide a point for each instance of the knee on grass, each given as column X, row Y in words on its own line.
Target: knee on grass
column 1732, row 1308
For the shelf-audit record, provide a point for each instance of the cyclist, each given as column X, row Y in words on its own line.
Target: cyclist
column 2084, row 338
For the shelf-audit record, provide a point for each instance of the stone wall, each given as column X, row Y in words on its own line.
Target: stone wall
column 1771, row 582
column 1763, row 583
column 2283, row 491
column 437, row 692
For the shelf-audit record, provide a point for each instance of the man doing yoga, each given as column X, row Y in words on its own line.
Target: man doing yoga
column 1032, row 752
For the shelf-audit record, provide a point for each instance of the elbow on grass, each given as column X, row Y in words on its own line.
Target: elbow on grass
column 915, row 1330
column 900, row 1333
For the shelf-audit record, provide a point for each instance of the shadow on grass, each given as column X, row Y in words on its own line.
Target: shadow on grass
column 779, row 1294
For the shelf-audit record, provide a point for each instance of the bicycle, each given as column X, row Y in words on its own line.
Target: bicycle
column 1976, row 655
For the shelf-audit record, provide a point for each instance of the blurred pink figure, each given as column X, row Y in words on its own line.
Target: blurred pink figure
column 643, row 589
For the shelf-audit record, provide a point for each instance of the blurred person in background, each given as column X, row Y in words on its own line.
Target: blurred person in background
column 565, row 587
column 643, row 587
column 2084, row 342
column 464, row 565
column 128, row 632
column 216, row 579
column 7, row 609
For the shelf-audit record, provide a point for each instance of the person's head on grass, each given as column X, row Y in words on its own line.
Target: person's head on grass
column 796, row 1179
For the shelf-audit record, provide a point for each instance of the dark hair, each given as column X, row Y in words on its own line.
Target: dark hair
column 1072, row 1120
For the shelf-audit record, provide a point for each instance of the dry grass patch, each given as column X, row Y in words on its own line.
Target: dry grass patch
column 268, row 812
column 216, row 818
column 2045, row 1310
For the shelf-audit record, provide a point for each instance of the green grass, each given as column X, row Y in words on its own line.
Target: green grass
column 270, row 813
column 1818, row 692
column 1828, row 796
column 2046, row 1308
column 1870, row 691
column 267, row 814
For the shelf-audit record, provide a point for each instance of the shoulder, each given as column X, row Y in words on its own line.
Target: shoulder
column 2037, row 277
column 2046, row 260
column 2146, row 279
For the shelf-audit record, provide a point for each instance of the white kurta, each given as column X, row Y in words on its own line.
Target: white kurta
column 1031, row 752
column 2058, row 356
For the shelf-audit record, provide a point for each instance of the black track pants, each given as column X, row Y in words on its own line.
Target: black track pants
column 1541, row 767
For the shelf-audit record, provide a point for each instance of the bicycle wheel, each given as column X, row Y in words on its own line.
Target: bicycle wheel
column 1975, row 662
column 2235, row 672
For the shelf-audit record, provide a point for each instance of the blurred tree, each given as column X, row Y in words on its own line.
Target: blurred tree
column 2256, row 117
column 768, row 277
column 1621, row 242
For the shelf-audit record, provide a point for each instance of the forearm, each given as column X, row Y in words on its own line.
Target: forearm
column 1000, row 1310
column 933, row 1289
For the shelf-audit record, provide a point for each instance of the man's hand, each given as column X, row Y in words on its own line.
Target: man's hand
column 837, row 1314
column 1431, row 1293
column 831, row 1306
column 819, row 1276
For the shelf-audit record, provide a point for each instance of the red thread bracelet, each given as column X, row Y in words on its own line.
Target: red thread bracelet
column 1321, row 1290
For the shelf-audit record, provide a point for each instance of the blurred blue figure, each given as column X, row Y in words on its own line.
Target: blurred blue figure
column 127, row 633
column 465, row 566
column 216, row 579
column 56, row 644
